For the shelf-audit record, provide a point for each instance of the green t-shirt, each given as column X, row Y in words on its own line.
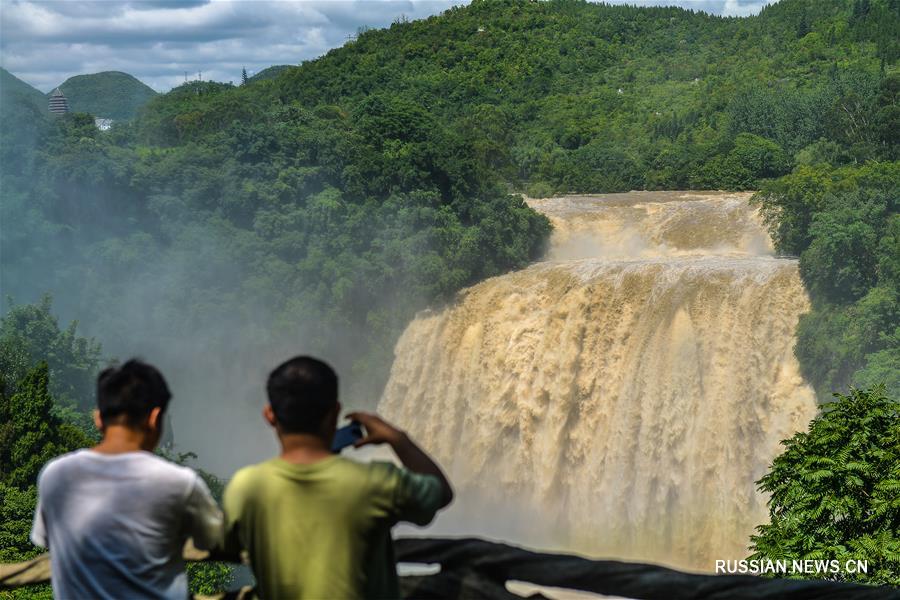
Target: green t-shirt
column 324, row 530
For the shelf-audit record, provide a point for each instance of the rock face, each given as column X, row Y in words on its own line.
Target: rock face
column 620, row 398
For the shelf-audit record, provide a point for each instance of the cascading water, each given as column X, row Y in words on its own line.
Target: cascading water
column 620, row 398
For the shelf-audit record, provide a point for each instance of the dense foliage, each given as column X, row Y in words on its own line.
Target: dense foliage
column 305, row 223
column 268, row 73
column 110, row 94
column 835, row 491
column 575, row 96
column 24, row 123
column 844, row 224
column 15, row 92
column 331, row 201
column 30, row 334
column 30, row 435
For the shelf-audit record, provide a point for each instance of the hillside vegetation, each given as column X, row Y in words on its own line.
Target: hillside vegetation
column 569, row 96
column 15, row 92
column 576, row 96
column 24, row 121
column 269, row 73
column 834, row 491
column 110, row 94
column 332, row 201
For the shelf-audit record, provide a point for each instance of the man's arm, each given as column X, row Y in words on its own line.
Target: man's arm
column 379, row 431
column 38, row 528
column 205, row 521
column 233, row 501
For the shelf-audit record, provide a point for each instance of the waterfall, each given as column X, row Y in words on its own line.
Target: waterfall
column 620, row 398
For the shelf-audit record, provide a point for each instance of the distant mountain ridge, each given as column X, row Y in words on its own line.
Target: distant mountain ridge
column 109, row 94
column 270, row 72
column 14, row 91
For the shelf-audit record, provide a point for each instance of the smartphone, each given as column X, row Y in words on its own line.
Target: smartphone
column 346, row 436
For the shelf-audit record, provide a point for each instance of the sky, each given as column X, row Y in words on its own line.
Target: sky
column 158, row 41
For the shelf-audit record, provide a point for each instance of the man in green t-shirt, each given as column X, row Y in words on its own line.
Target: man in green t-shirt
column 317, row 525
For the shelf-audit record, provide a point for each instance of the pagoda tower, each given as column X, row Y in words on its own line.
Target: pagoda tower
column 58, row 103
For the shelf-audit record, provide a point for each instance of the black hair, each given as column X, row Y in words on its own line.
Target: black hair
column 302, row 391
column 130, row 392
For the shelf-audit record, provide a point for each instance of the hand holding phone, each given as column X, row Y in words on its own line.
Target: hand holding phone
column 346, row 436
column 378, row 431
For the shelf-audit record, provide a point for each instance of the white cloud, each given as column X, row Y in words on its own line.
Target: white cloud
column 743, row 8
column 45, row 42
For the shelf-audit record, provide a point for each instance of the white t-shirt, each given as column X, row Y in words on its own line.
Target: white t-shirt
column 115, row 524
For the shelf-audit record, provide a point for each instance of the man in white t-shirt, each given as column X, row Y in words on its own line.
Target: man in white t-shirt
column 115, row 517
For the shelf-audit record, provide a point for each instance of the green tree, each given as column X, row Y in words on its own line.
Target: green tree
column 29, row 333
column 835, row 491
column 30, row 435
column 843, row 223
column 834, row 341
column 752, row 159
column 841, row 262
column 16, row 514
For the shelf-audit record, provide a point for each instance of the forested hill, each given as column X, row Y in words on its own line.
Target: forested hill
column 110, row 94
column 577, row 96
column 24, row 120
column 16, row 93
column 329, row 203
column 269, row 72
